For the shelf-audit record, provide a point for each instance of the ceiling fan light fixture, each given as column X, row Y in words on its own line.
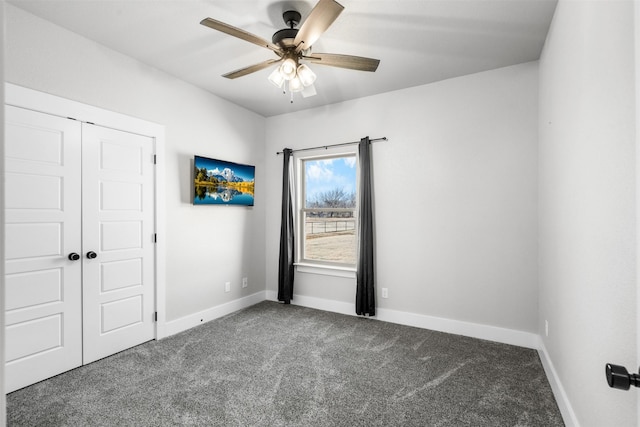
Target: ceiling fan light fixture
column 295, row 85
column 307, row 77
column 288, row 68
column 293, row 45
column 276, row 78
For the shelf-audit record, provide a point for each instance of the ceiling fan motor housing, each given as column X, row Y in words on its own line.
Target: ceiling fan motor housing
column 284, row 38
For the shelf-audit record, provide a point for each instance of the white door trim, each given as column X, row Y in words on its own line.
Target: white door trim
column 636, row 24
column 3, row 401
column 39, row 101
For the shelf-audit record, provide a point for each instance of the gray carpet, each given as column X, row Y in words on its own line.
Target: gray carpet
column 276, row 365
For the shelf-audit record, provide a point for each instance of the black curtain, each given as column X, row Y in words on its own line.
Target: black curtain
column 365, row 289
column 287, row 238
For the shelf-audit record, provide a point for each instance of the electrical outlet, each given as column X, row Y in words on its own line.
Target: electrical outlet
column 546, row 328
column 244, row 282
column 385, row 292
column 227, row 286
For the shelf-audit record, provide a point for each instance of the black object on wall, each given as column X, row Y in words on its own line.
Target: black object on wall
column 618, row 377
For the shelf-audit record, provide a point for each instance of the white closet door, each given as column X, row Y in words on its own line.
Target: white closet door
column 118, row 226
column 43, row 288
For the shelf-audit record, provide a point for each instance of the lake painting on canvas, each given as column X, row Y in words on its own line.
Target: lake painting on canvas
column 219, row 182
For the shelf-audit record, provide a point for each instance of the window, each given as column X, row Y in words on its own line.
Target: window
column 327, row 210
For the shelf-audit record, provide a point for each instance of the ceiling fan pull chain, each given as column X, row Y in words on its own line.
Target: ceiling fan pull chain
column 292, row 97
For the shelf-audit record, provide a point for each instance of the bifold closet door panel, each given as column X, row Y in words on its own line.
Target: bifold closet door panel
column 118, row 241
column 43, row 305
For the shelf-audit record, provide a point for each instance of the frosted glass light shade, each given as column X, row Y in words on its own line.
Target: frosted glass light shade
column 288, row 69
column 307, row 77
column 295, row 85
column 309, row 91
column 276, row 78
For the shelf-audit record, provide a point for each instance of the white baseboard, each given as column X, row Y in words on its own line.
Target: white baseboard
column 317, row 303
column 475, row 330
column 568, row 415
column 187, row 322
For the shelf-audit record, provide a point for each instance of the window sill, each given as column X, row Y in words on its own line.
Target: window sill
column 327, row 270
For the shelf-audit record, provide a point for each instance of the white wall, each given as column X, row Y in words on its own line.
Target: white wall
column 587, row 205
column 206, row 245
column 455, row 195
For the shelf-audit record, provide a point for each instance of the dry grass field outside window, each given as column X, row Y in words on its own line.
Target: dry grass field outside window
column 336, row 244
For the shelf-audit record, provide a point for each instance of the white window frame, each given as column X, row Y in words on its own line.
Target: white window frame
column 310, row 265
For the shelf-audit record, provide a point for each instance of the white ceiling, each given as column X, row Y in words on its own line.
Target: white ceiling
column 417, row 42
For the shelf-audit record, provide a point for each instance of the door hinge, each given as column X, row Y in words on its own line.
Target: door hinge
column 155, row 159
column 155, row 237
column 155, row 316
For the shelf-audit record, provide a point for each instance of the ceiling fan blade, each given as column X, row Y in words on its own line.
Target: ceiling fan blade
column 241, row 34
column 320, row 18
column 250, row 69
column 344, row 61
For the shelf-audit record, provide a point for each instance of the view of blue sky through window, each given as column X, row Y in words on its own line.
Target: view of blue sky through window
column 325, row 175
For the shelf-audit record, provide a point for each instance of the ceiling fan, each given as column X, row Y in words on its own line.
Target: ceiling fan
column 293, row 45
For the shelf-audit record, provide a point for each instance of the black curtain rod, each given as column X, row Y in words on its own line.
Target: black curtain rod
column 384, row 138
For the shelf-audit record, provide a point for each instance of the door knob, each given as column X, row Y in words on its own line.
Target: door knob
column 618, row 377
column 74, row 256
column 92, row 255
